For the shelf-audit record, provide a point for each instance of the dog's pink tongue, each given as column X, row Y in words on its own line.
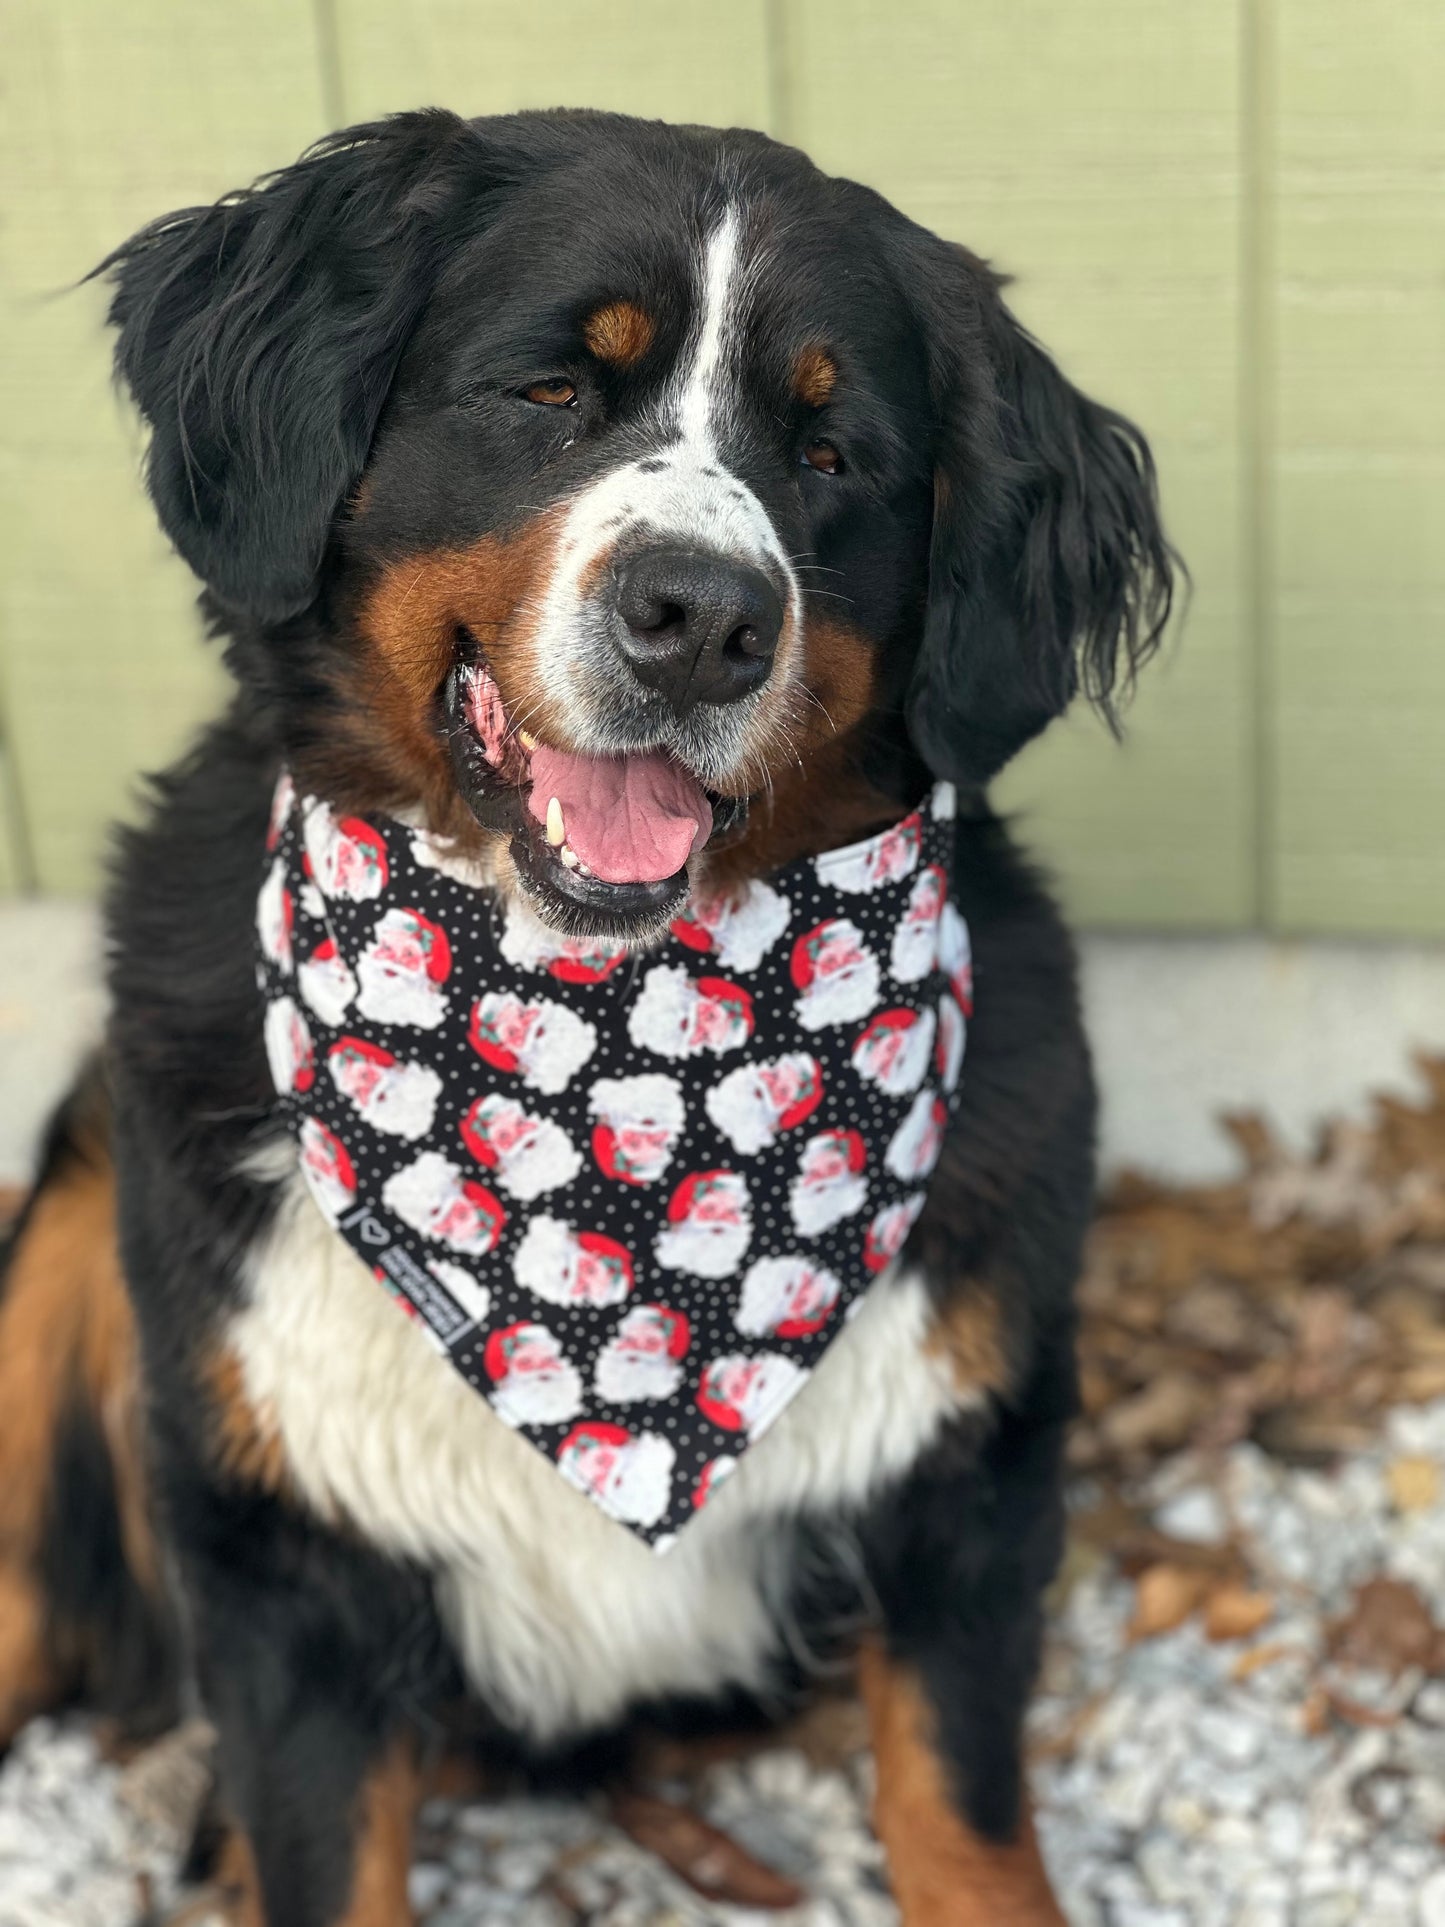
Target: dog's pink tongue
column 631, row 819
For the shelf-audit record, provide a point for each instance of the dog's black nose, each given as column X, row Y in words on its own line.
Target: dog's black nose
column 697, row 628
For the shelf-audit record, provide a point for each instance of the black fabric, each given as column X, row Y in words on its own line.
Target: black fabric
column 632, row 1198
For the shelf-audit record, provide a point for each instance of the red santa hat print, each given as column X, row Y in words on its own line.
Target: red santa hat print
column 677, row 1015
column 892, row 1050
column 565, row 1266
column 709, row 1225
column 835, row 973
column 629, row 1474
column 533, row 1382
column 402, row 970
column 786, row 1297
column 745, row 1393
column 327, row 1168
column 345, row 857
column 752, row 1105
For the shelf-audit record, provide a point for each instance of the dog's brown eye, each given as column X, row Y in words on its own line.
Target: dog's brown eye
column 551, row 394
column 824, row 457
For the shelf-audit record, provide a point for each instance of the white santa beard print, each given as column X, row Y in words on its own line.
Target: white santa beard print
column 472, row 1296
column 390, row 996
column 912, row 1151
column 546, row 1263
column 625, row 1378
column 539, row 1398
column 404, row 1103
column 546, row 1162
column 818, row 1207
column 840, row 999
column 288, row 1043
column 705, row 1250
column 747, row 931
column 909, row 1067
column 327, row 987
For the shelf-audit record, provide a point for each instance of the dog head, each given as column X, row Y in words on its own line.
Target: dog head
column 574, row 483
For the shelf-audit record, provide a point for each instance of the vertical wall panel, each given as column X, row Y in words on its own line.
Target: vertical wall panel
column 1094, row 153
column 1358, row 813
column 112, row 114
column 672, row 59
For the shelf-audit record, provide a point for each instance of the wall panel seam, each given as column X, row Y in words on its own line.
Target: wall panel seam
column 1257, row 437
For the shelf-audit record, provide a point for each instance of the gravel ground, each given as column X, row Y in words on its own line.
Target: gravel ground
column 1246, row 1730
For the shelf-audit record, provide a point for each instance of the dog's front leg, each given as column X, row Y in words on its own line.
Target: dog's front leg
column 959, row 1560
column 302, row 1657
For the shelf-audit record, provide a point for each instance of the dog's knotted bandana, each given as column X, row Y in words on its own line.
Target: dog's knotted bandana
column 632, row 1197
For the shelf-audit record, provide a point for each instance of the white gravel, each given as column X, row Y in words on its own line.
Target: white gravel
column 1180, row 1784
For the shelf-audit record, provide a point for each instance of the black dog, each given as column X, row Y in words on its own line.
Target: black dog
column 677, row 450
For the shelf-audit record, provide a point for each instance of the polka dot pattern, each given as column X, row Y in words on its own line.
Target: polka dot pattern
column 631, row 1198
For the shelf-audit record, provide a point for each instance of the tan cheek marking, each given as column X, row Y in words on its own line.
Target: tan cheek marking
column 619, row 333
column 384, row 749
column 943, row 1873
column 966, row 1335
column 247, row 1443
column 815, row 375
column 27, row 1680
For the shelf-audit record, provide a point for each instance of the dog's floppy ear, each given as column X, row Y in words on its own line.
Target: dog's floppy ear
column 1050, row 572
column 260, row 336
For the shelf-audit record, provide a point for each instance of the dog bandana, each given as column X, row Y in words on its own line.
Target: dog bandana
column 631, row 1197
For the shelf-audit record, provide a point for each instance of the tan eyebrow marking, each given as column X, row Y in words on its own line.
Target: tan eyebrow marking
column 620, row 333
column 815, row 374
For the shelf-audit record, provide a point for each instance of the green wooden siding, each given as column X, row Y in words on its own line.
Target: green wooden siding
column 1224, row 219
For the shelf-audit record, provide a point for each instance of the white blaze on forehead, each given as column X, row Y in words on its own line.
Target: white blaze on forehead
column 677, row 492
column 720, row 275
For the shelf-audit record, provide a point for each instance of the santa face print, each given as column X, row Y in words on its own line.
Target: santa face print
column 327, row 1168
column 472, row 1298
column 914, row 951
column 345, row 858
column 403, row 970
column 870, row 865
column 275, row 916
column 948, row 1052
column 395, row 1098
column 629, row 1474
column 568, row 1267
column 639, row 1120
column 893, row 1051
column 528, row 944
column 643, row 1359
column 709, row 1225
column 836, row 975
column 540, row 1041
column 830, row 1184
column 955, row 956
column 740, row 1393
column 751, row 1106
column 433, row 1197
column 529, row 1154
column 786, row 1298
column 739, row 930
column 288, row 1048
column 889, row 1231
column 533, row 1384
column 326, row 985
column 676, row 1015
column 914, row 1147
column 631, row 1198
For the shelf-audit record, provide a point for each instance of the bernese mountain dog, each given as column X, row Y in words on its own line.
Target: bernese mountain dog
column 630, row 512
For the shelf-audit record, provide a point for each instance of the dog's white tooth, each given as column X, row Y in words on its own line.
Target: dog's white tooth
column 527, row 740
column 556, row 828
column 570, row 857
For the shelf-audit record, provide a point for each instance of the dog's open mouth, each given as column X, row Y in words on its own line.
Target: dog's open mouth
column 601, row 841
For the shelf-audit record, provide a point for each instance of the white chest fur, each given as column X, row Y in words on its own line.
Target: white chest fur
column 562, row 1617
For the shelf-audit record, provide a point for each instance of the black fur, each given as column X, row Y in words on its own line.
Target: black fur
column 996, row 540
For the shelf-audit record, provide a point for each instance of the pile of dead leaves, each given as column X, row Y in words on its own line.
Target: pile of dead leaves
column 1291, row 1306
